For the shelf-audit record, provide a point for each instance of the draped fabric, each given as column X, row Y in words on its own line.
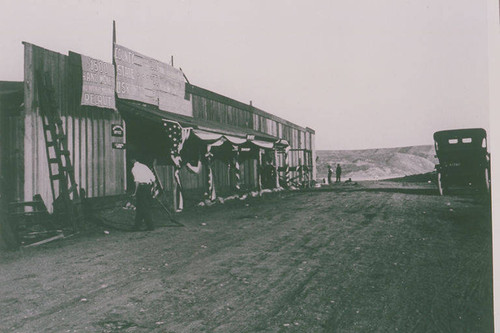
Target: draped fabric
column 194, row 168
column 205, row 145
column 234, row 140
column 211, row 194
column 259, row 176
column 177, row 136
column 287, row 166
column 236, row 167
column 263, row 144
column 276, row 173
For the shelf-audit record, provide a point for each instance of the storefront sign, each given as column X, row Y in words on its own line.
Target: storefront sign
column 118, row 145
column 117, row 130
column 147, row 80
column 98, row 79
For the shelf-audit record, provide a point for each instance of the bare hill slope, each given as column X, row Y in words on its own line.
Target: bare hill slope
column 383, row 163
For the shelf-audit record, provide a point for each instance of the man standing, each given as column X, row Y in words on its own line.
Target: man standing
column 143, row 179
column 338, row 173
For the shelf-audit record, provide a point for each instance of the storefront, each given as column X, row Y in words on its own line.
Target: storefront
column 201, row 144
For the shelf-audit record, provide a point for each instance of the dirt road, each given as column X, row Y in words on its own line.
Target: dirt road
column 378, row 257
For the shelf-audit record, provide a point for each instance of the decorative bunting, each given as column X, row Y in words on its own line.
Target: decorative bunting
column 236, row 167
column 194, row 168
column 287, row 166
column 260, row 168
column 177, row 136
column 276, row 169
column 211, row 195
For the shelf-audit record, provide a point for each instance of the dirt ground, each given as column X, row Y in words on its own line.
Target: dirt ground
column 372, row 257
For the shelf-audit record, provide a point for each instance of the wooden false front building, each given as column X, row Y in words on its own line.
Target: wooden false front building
column 77, row 121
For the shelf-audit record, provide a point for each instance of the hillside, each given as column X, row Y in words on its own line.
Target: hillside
column 383, row 163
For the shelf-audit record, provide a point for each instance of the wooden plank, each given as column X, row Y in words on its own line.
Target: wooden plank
column 95, row 155
column 83, row 149
column 122, row 175
column 107, row 154
column 89, row 155
column 76, row 149
column 102, row 159
column 111, row 157
column 60, row 236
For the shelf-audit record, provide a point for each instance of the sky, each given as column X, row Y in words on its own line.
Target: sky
column 361, row 73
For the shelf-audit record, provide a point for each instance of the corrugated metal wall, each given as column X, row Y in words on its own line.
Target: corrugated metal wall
column 99, row 168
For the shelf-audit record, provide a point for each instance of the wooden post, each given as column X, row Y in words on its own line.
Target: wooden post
column 277, row 176
column 259, row 172
column 301, row 172
column 174, row 188
column 114, row 36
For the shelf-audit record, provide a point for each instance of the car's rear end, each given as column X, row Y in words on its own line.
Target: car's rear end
column 463, row 158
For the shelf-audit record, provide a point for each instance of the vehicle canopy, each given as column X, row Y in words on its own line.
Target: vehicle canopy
column 460, row 140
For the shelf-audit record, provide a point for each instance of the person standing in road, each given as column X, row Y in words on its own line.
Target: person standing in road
column 338, row 173
column 330, row 175
column 143, row 179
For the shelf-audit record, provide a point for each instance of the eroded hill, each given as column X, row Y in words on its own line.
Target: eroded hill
column 383, row 163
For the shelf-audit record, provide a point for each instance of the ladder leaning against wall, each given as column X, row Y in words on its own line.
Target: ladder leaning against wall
column 61, row 172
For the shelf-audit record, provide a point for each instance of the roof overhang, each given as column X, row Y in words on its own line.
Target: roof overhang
column 204, row 130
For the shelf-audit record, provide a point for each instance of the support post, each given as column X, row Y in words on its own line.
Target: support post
column 277, row 176
column 259, row 172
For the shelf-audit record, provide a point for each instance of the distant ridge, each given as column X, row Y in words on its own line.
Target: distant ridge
column 381, row 163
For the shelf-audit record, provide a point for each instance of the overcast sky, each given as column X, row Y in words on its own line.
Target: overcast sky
column 362, row 73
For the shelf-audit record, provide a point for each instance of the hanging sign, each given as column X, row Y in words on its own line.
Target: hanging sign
column 118, row 145
column 150, row 81
column 117, row 130
column 98, row 79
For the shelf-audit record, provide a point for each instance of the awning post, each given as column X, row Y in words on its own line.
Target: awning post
column 211, row 194
column 287, row 166
column 177, row 135
column 277, row 175
column 236, row 167
column 259, row 172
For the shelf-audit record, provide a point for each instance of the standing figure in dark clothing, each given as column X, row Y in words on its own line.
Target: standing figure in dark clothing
column 143, row 179
column 330, row 175
column 338, row 173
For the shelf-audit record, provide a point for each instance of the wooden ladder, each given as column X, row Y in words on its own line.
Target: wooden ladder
column 61, row 172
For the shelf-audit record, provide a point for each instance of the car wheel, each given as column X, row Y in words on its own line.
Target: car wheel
column 440, row 183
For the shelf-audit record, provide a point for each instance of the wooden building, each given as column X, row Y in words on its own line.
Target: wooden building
column 103, row 133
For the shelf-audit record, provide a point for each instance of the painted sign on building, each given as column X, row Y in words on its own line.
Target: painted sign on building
column 98, row 83
column 147, row 80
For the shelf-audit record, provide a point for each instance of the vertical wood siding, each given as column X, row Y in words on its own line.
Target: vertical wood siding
column 99, row 168
column 11, row 144
column 214, row 107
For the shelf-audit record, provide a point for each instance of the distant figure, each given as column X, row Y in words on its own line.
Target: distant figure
column 268, row 174
column 330, row 174
column 338, row 173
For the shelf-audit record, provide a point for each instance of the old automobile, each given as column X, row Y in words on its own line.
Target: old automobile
column 463, row 159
